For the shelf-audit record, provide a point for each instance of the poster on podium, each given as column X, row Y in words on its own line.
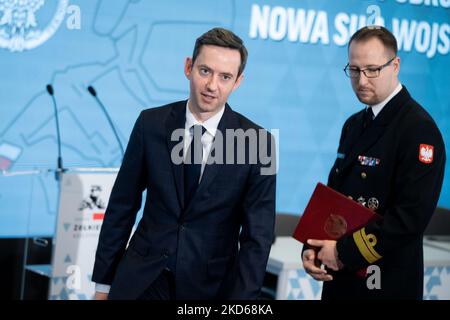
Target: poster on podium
column 82, row 205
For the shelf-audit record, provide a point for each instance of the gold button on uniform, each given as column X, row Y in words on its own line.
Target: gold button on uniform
column 363, row 175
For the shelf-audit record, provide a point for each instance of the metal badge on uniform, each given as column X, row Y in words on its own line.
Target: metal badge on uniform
column 368, row 161
column 373, row 203
column 361, row 200
column 426, row 153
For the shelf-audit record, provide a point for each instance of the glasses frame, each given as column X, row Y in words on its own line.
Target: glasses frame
column 377, row 69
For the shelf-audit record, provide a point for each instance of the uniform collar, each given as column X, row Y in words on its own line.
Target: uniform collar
column 379, row 106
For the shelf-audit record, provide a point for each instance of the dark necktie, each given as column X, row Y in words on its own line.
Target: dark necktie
column 368, row 117
column 193, row 164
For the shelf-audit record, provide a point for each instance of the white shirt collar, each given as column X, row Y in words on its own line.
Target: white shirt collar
column 378, row 107
column 210, row 125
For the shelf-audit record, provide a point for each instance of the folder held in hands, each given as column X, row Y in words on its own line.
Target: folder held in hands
column 329, row 215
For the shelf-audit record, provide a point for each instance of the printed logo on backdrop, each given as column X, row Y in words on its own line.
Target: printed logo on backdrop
column 92, row 210
column 23, row 25
column 94, row 200
column 309, row 26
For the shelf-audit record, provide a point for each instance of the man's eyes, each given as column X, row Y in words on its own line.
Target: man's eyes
column 206, row 71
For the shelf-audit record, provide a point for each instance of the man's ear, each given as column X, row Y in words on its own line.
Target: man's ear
column 188, row 67
column 396, row 63
column 238, row 81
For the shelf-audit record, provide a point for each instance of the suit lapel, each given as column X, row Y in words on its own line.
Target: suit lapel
column 354, row 133
column 176, row 120
column 364, row 142
column 358, row 145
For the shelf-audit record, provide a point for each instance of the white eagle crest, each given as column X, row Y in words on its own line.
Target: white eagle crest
column 19, row 26
column 19, row 15
column 426, row 153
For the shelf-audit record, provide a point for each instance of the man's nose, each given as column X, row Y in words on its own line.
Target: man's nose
column 362, row 79
column 211, row 85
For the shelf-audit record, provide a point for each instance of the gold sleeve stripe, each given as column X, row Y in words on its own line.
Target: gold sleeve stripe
column 370, row 241
column 366, row 243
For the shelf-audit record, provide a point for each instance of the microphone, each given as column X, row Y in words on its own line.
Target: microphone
column 94, row 94
column 60, row 169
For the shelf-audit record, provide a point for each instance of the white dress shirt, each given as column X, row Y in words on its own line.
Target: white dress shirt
column 207, row 139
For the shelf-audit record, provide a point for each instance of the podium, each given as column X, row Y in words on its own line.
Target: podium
column 84, row 194
column 82, row 199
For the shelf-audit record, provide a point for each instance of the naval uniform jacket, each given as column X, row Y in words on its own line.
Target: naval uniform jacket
column 395, row 166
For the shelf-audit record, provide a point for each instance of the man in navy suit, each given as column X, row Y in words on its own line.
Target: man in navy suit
column 208, row 221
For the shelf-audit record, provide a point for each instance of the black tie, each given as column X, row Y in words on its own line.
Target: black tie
column 193, row 164
column 368, row 117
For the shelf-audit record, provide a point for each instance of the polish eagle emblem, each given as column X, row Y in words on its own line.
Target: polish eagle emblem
column 19, row 14
column 19, row 25
column 335, row 226
column 426, row 153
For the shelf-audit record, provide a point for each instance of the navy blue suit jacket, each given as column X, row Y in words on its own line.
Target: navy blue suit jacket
column 221, row 240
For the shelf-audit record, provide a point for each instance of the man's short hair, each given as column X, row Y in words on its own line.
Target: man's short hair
column 379, row 32
column 223, row 38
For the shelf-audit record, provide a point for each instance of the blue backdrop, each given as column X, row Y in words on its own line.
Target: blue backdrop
column 133, row 53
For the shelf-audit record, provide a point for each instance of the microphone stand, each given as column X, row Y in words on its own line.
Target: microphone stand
column 59, row 164
column 94, row 94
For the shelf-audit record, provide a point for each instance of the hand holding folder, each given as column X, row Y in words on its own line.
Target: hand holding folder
column 329, row 215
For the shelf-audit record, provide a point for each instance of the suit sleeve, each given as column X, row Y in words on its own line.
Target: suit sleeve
column 124, row 203
column 257, row 227
column 416, row 185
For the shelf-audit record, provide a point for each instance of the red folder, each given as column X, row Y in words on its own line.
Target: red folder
column 329, row 215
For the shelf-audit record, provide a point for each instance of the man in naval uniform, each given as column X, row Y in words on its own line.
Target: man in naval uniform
column 390, row 159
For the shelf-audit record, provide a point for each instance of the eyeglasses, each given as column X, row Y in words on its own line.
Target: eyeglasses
column 371, row 72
